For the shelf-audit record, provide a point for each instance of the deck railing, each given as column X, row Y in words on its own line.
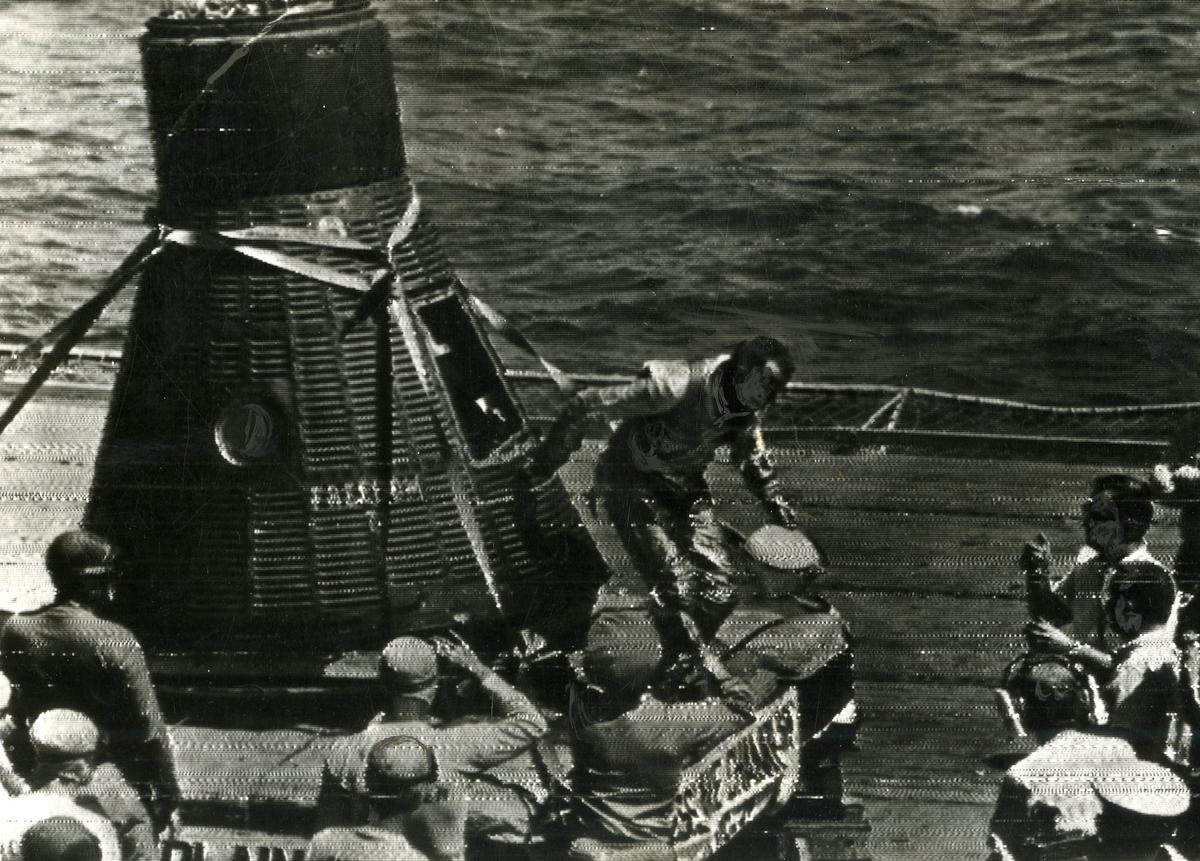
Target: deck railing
column 873, row 414
column 881, row 415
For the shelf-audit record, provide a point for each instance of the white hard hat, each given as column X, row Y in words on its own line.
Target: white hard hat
column 64, row 733
column 785, row 549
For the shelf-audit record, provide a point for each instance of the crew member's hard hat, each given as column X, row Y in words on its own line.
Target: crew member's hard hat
column 399, row 762
column 58, row 838
column 64, row 733
column 623, row 651
column 408, row 665
column 784, row 549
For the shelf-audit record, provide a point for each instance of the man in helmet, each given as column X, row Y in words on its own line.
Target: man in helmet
column 64, row 655
column 460, row 772
column 1069, row 614
column 1108, row 783
column 630, row 746
column 67, row 763
column 650, row 481
column 39, row 827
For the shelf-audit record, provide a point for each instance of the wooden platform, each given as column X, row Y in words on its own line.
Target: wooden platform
column 922, row 547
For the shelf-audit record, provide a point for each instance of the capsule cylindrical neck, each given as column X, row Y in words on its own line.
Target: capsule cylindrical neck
column 252, row 106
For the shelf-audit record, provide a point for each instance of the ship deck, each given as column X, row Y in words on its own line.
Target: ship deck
column 922, row 532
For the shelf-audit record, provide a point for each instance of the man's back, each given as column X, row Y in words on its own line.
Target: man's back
column 628, row 768
column 65, row 656
column 771, row 646
column 463, row 752
column 462, row 748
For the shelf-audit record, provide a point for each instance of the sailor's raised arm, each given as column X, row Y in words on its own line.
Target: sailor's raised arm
column 521, row 721
column 1046, row 600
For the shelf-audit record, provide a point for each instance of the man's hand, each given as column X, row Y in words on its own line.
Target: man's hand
column 1162, row 480
column 1044, row 637
column 562, row 439
column 738, row 696
column 1035, row 557
column 457, row 653
column 782, row 512
column 167, row 825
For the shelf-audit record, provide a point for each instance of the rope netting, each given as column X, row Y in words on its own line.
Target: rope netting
column 824, row 406
column 97, row 367
column 889, row 408
column 834, row 406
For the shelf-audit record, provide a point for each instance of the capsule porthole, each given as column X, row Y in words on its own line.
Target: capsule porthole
column 246, row 433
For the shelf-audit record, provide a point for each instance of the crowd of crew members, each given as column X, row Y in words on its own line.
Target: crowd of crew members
column 658, row 684
column 412, row 783
column 87, row 773
column 1108, row 695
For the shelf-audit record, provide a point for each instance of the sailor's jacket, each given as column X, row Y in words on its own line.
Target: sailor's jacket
column 627, row 769
column 1085, row 589
column 65, row 656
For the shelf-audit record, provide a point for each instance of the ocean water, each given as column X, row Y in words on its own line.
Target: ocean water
column 997, row 198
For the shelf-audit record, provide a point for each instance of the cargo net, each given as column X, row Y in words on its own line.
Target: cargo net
column 850, row 407
column 747, row 775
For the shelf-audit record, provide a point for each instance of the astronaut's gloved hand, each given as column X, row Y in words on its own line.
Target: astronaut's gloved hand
column 1036, row 557
column 738, row 696
column 782, row 512
column 562, row 439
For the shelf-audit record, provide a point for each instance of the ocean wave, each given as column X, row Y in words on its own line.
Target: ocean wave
column 918, row 192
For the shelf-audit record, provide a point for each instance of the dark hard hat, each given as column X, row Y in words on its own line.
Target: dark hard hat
column 79, row 553
column 622, row 651
column 1050, row 692
column 398, row 763
column 60, row 838
column 1052, row 681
